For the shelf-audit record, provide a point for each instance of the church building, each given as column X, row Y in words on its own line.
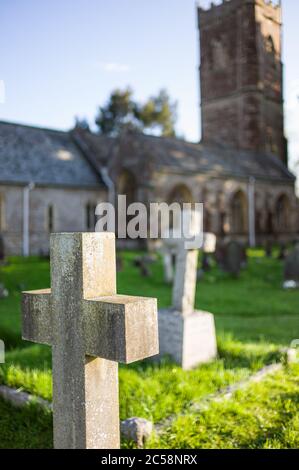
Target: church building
column 239, row 170
column 52, row 180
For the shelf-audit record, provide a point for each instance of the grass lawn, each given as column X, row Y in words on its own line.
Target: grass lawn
column 254, row 317
column 264, row 416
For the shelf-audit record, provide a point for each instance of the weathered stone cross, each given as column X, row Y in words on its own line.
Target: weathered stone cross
column 91, row 329
column 186, row 334
column 184, row 286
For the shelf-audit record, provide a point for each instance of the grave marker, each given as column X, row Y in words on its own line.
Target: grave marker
column 90, row 329
column 233, row 258
column 185, row 334
column 291, row 268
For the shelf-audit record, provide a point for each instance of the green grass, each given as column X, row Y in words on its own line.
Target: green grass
column 25, row 428
column 254, row 317
column 263, row 416
column 252, row 308
column 19, row 274
column 149, row 390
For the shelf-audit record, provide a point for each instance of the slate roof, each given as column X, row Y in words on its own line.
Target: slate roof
column 43, row 156
column 181, row 156
column 75, row 159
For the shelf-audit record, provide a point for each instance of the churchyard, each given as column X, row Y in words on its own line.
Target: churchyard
column 255, row 318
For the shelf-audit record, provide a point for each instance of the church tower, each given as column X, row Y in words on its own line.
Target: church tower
column 241, row 76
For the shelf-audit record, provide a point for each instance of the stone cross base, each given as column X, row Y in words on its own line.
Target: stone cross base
column 190, row 340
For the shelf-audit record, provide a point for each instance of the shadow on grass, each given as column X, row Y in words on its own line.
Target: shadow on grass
column 29, row 427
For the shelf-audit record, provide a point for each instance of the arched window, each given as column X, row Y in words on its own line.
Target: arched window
column 219, row 56
column 282, row 213
column 271, row 54
column 270, row 48
column 222, row 223
column 127, row 186
column 239, row 213
column 180, row 194
column 258, row 222
column 50, row 218
column 269, row 223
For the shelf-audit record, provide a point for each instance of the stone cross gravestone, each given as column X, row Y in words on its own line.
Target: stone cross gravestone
column 169, row 251
column 90, row 329
column 185, row 334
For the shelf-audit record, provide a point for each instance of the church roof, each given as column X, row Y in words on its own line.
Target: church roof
column 44, row 157
column 176, row 155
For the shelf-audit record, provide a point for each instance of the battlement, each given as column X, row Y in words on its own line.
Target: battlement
column 226, row 7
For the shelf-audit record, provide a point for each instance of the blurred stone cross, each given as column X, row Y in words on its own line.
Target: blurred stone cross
column 184, row 284
column 186, row 334
column 90, row 329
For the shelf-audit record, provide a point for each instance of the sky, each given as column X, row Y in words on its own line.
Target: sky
column 62, row 58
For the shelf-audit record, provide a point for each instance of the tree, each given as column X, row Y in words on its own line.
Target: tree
column 81, row 123
column 121, row 112
column 159, row 113
column 118, row 114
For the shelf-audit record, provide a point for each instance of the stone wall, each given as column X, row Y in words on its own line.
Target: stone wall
column 217, row 195
column 69, row 214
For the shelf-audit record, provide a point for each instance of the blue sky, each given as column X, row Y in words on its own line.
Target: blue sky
column 61, row 58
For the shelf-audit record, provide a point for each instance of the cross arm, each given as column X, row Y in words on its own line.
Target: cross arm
column 121, row 328
column 37, row 316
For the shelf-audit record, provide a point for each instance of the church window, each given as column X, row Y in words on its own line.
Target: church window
column 271, row 53
column 50, row 219
column 239, row 213
column 282, row 213
column 270, row 48
column 180, row 194
column 127, row 186
column 219, row 55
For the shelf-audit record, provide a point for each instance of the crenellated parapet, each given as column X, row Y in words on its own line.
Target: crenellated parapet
column 226, row 7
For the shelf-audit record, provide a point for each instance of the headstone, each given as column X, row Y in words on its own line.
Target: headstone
column 138, row 430
column 291, row 269
column 3, row 292
column 185, row 334
column 283, row 252
column 209, row 242
column 143, row 263
column 233, row 258
column 90, row 329
column 268, row 249
column 220, row 254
